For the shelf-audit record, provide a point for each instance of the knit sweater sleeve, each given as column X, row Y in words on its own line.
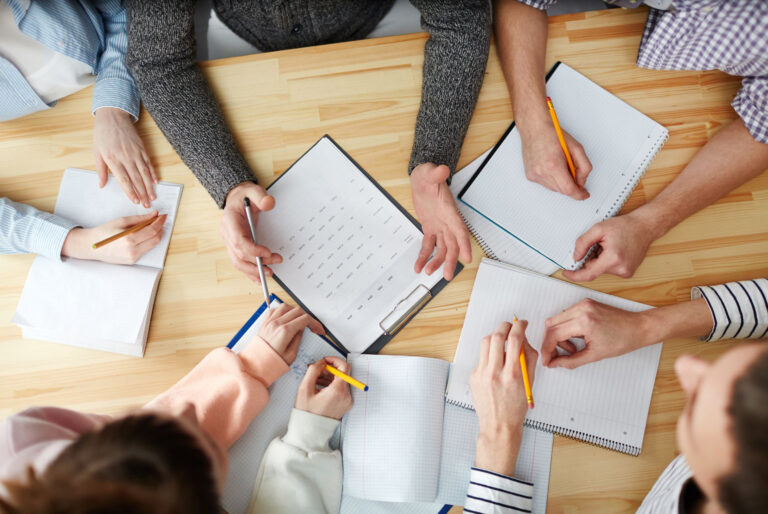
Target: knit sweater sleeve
column 161, row 57
column 454, row 65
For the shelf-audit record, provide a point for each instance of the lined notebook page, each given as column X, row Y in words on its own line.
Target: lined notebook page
column 619, row 141
column 457, row 457
column 81, row 201
column 497, row 243
column 392, row 436
column 348, row 251
column 246, row 453
column 605, row 402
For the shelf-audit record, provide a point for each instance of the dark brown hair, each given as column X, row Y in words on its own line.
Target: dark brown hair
column 139, row 464
column 746, row 488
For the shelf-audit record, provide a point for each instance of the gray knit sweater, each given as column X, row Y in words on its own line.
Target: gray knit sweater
column 161, row 57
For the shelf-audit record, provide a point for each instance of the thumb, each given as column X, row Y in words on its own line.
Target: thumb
column 309, row 382
column 261, row 199
column 101, row 171
column 586, row 241
column 129, row 221
column 438, row 174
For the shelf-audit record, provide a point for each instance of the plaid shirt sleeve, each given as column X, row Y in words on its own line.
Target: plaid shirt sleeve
column 739, row 309
column 751, row 104
column 539, row 4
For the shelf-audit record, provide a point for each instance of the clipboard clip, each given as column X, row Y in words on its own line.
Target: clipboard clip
column 405, row 309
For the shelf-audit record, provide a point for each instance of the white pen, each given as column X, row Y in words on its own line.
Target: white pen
column 263, row 278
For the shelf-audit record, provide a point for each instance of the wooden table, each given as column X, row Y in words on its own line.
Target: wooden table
column 366, row 95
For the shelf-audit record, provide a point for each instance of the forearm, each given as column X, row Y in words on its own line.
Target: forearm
column 521, row 39
column 728, row 160
column 454, row 64
column 161, row 57
column 687, row 319
column 497, row 449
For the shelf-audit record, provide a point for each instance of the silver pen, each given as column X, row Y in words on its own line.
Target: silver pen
column 262, row 277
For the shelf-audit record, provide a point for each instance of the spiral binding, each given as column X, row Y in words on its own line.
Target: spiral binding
column 478, row 238
column 637, row 175
column 567, row 432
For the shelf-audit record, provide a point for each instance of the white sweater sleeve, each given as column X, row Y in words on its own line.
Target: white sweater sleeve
column 492, row 493
column 300, row 472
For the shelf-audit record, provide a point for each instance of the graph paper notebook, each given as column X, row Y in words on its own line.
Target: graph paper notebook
column 94, row 304
column 605, row 403
column 619, row 140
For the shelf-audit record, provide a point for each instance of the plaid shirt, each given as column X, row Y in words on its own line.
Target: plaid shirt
column 727, row 35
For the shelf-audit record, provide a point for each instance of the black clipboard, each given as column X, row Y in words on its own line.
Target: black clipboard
column 496, row 147
column 392, row 323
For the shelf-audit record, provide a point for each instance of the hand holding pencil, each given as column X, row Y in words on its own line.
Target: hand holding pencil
column 324, row 393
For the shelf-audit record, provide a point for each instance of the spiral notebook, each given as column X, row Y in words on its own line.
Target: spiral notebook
column 619, row 140
column 605, row 403
column 495, row 241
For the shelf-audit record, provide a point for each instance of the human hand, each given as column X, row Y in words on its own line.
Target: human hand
column 325, row 394
column 606, row 331
column 126, row 250
column 442, row 225
column 118, row 147
column 545, row 162
column 499, row 396
column 236, row 233
column 623, row 240
column 283, row 327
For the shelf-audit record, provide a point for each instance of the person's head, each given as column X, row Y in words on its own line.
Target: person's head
column 723, row 429
column 143, row 463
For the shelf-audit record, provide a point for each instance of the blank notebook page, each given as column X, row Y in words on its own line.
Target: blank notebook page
column 619, row 141
column 246, row 453
column 605, row 402
column 391, row 439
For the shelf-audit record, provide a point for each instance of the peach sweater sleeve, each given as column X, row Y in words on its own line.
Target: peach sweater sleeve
column 227, row 389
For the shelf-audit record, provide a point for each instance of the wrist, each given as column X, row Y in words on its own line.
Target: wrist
column 534, row 119
column 653, row 220
column 497, row 448
column 74, row 243
column 112, row 112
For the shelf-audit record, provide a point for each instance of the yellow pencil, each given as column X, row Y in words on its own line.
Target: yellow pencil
column 346, row 378
column 561, row 138
column 125, row 232
column 526, row 379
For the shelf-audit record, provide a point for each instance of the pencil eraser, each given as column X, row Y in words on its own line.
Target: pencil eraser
column 549, row 99
column 366, row 388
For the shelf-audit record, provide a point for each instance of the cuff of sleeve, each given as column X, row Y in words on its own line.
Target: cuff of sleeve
column 715, row 309
column 310, row 432
column 747, row 106
column 263, row 361
column 47, row 234
column 117, row 93
column 228, row 183
column 493, row 489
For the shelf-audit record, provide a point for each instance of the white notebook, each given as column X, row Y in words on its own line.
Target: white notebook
column 605, row 403
column 496, row 242
column 92, row 304
column 348, row 248
column 620, row 142
column 446, row 432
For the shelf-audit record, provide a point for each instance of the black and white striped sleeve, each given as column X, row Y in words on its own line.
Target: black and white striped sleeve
column 490, row 492
column 739, row 309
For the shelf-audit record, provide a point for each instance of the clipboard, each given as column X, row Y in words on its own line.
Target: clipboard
column 406, row 307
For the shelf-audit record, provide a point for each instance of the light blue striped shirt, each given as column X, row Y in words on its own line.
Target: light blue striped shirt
column 24, row 229
column 92, row 32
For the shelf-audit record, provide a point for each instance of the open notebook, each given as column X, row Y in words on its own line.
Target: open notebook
column 497, row 243
column 94, row 304
column 348, row 249
column 439, row 441
column 620, row 142
column 605, row 403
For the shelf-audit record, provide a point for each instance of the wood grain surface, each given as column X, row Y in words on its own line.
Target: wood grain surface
column 365, row 94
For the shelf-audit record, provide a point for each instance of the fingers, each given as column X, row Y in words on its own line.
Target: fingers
column 531, row 357
column 427, row 245
column 580, row 161
column 439, row 256
column 151, row 231
column 465, row 248
column 309, row 382
column 102, row 171
column 260, row 199
column 124, row 180
column 338, row 363
column 138, row 184
column 129, row 221
column 515, row 338
column 149, row 243
column 148, row 164
column 496, row 350
column 566, row 184
column 305, row 320
column 146, row 177
column 451, row 256
column 574, row 360
column 556, row 334
column 485, row 347
column 592, row 269
column 587, row 240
